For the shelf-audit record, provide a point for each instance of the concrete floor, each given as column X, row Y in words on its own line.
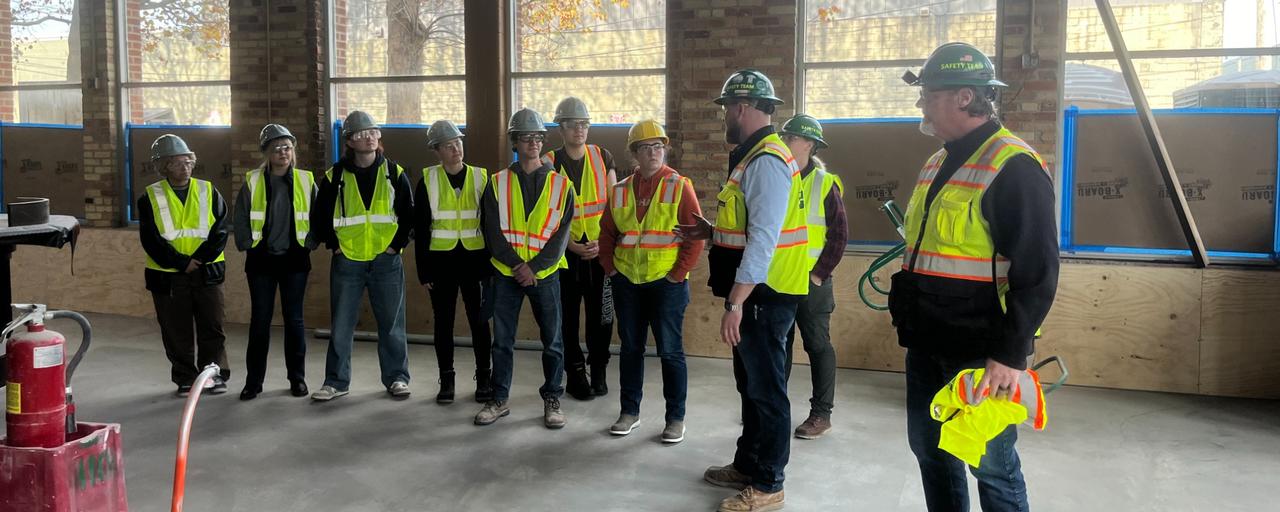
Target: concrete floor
column 1104, row 449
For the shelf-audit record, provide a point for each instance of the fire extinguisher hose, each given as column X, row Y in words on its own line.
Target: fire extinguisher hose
column 84, row 343
column 184, row 435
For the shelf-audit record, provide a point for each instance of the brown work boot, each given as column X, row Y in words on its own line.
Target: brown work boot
column 726, row 476
column 751, row 500
column 813, row 428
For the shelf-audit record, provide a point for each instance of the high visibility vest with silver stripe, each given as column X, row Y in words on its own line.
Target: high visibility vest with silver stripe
column 816, row 186
column 789, row 268
column 363, row 233
column 455, row 216
column 591, row 200
column 528, row 231
column 304, row 183
column 185, row 225
column 647, row 250
column 951, row 238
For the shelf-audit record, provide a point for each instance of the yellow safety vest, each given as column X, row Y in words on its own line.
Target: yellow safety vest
column 303, row 183
column 956, row 241
column 590, row 201
column 363, row 233
column 184, row 224
column 455, row 216
column 647, row 250
column 789, row 268
column 816, row 186
column 529, row 231
column 969, row 422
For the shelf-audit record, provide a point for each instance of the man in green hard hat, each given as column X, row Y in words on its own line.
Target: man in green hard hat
column 979, row 273
column 828, row 234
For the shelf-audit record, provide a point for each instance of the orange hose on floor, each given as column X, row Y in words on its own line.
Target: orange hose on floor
column 184, row 435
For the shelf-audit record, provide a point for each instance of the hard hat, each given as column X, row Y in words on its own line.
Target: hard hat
column 956, row 65
column 645, row 130
column 272, row 132
column 442, row 131
column 571, row 108
column 357, row 121
column 748, row 84
column 169, row 145
column 526, row 120
column 806, row 126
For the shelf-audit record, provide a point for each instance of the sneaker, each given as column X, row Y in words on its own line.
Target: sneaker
column 813, row 428
column 625, row 424
column 674, row 432
column 751, row 500
column 399, row 389
column 484, row 386
column 328, row 393
column 491, row 412
column 726, row 476
column 445, row 396
column 219, row 386
column 551, row 414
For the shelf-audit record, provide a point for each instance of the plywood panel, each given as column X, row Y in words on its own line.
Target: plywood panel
column 45, row 162
column 1127, row 326
column 1243, row 367
column 863, row 337
column 872, row 174
column 1240, row 344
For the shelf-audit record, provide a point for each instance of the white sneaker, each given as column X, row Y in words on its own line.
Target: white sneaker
column 399, row 389
column 327, row 393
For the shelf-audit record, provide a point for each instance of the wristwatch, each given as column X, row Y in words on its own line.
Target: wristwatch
column 731, row 307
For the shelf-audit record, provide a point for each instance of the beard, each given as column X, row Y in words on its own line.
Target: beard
column 927, row 128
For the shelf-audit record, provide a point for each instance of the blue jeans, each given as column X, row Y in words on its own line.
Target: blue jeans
column 759, row 367
column 999, row 473
column 658, row 305
column 384, row 278
column 262, row 298
column 508, row 297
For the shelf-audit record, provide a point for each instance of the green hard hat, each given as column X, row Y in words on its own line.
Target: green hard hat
column 357, row 121
column 748, row 84
column 442, row 131
column 804, row 125
column 956, row 65
column 526, row 120
column 169, row 145
column 272, row 132
column 571, row 108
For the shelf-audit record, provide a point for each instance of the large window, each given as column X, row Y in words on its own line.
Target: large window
column 1188, row 53
column 853, row 52
column 402, row 61
column 176, row 61
column 39, row 62
column 609, row 53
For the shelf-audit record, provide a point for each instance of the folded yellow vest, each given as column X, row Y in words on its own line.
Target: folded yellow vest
column 970, row 421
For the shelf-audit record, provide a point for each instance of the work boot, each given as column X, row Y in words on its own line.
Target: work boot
column 577, row 385
column 599, row 382
column 484, row 386
column 726, row 476
column 551, row 414
column 491, row 412
column 445, row 396
column 813, row 428
column 751, row 500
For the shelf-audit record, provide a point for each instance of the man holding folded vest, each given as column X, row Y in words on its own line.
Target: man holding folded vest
column 979, row 273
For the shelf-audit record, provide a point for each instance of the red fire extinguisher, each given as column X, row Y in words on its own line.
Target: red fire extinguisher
column 38, row 394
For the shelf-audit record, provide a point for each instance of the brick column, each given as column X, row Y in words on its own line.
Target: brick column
column 488, row 105
column 1031, row 106
column 707, row 40
column 103, row 158
column 7, row 77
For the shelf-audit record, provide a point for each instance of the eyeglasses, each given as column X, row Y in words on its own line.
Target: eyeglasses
column 283, row 148
column 576, row 125
column 531, row 137
column 650, row 148
column 373, row 134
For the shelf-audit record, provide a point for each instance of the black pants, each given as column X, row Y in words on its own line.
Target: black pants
column 583, row 282
column 444, row 305
column 262, row 296
column 813, row 318
column 765, row 444
column 190, row 317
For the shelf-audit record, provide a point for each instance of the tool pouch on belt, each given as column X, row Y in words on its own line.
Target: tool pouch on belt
column 947, row 316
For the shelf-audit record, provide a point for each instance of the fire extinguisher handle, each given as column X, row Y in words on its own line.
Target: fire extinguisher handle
column 87, row 331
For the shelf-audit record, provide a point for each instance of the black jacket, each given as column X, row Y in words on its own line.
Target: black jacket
column 165, row 255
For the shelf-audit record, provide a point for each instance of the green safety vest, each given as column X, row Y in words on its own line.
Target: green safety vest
column 528, row 231
column 304, row 182
column 647, row 250
column 363, row 233
column 455, row 216
column 185, row 225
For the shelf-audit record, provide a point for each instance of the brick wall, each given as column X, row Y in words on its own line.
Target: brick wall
column 1030, row 106
column 103, row 190
column 7, row 77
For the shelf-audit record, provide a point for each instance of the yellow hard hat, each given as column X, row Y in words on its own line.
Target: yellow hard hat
column 644, row 130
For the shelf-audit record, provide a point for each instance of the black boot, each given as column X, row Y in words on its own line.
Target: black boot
column 577, row 385
column 599, row 384
column 484, row 386
column 445, row 396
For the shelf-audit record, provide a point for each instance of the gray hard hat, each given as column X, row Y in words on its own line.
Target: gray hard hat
column 526, row 120
column 357, row 121
column 442, row 131
column 169, row 145
column 272, row 132
column 571, row 108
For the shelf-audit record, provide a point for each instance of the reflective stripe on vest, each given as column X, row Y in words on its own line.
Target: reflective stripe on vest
column 455, row 216
column 589, row 202
column 646, row 249
column 183, row 224
column 817, row 186
column 1029, row 394
column 363, row 233
column 303, row 184
column 529, row 231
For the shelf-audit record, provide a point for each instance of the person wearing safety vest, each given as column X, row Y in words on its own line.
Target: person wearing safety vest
column 979, row 272
column 828, row 233
column 527, row 209
column 450, row 253
column 183, row 230
column 760, row 265
column 648, row 270
column 364, row 214
column 273, row 225
column 592, row 171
